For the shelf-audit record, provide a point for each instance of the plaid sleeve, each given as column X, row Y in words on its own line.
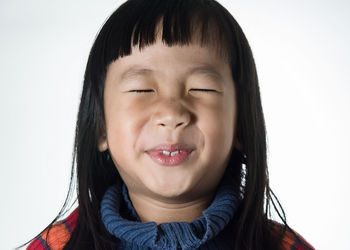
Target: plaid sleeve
column 58, row 235
column 291, row 239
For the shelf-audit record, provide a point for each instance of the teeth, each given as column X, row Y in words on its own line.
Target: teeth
column 174, row 153
column 164, row 152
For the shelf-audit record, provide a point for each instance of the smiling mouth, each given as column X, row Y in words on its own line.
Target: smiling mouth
column 167, row 158
column 170, row 154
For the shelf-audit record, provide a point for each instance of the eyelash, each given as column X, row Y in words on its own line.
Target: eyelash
column 205, row 90
column 141, row 90
column 150, row 90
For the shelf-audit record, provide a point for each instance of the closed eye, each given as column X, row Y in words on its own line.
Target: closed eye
column 205, row 90
column 150, row 90
column 141, row 90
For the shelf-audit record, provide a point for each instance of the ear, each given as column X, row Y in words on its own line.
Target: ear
column 103, row 144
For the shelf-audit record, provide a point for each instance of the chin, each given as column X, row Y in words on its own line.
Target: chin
column 170, row 189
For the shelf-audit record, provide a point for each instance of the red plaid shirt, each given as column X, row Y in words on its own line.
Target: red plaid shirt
column 60, row 234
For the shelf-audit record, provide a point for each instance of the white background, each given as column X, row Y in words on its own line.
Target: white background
column 302, row 54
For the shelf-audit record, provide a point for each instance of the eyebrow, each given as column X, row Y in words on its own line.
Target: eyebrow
column 199, row 70
column 135, row 71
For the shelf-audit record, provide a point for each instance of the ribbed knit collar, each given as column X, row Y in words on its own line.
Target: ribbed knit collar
column 122, row 221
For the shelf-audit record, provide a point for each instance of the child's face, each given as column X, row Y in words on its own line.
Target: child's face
column 173, row 111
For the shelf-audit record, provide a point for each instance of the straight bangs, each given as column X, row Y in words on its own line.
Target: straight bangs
column 140, row 23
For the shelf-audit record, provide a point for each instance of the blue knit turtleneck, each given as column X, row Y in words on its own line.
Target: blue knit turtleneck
column 211, row 231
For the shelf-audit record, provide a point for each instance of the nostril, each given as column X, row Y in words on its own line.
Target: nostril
column 179, row 124
column 172, row 120
column 168, row 124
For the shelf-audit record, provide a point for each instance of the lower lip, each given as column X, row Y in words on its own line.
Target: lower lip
column 165, row 160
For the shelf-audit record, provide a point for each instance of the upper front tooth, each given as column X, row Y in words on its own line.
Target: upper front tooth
column 174, row 153
column 164, row 152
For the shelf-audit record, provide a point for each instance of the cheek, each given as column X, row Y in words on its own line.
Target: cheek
column 119, row 125
column 218, row 128
column 122, row 125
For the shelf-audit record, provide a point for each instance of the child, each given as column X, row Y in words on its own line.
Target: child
column 170, row 140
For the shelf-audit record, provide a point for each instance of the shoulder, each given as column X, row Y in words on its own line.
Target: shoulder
column 291, row 240
column 57, row 236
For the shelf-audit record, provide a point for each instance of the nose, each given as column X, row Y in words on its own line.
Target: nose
column 171, row 114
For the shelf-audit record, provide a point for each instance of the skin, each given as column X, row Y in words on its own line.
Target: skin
column 172, row 112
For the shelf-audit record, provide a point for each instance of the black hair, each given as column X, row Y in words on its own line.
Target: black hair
column 182, row 22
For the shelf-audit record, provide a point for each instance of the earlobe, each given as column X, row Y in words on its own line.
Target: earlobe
column 103, row 145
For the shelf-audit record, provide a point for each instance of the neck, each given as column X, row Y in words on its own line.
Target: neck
column 149, row 209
